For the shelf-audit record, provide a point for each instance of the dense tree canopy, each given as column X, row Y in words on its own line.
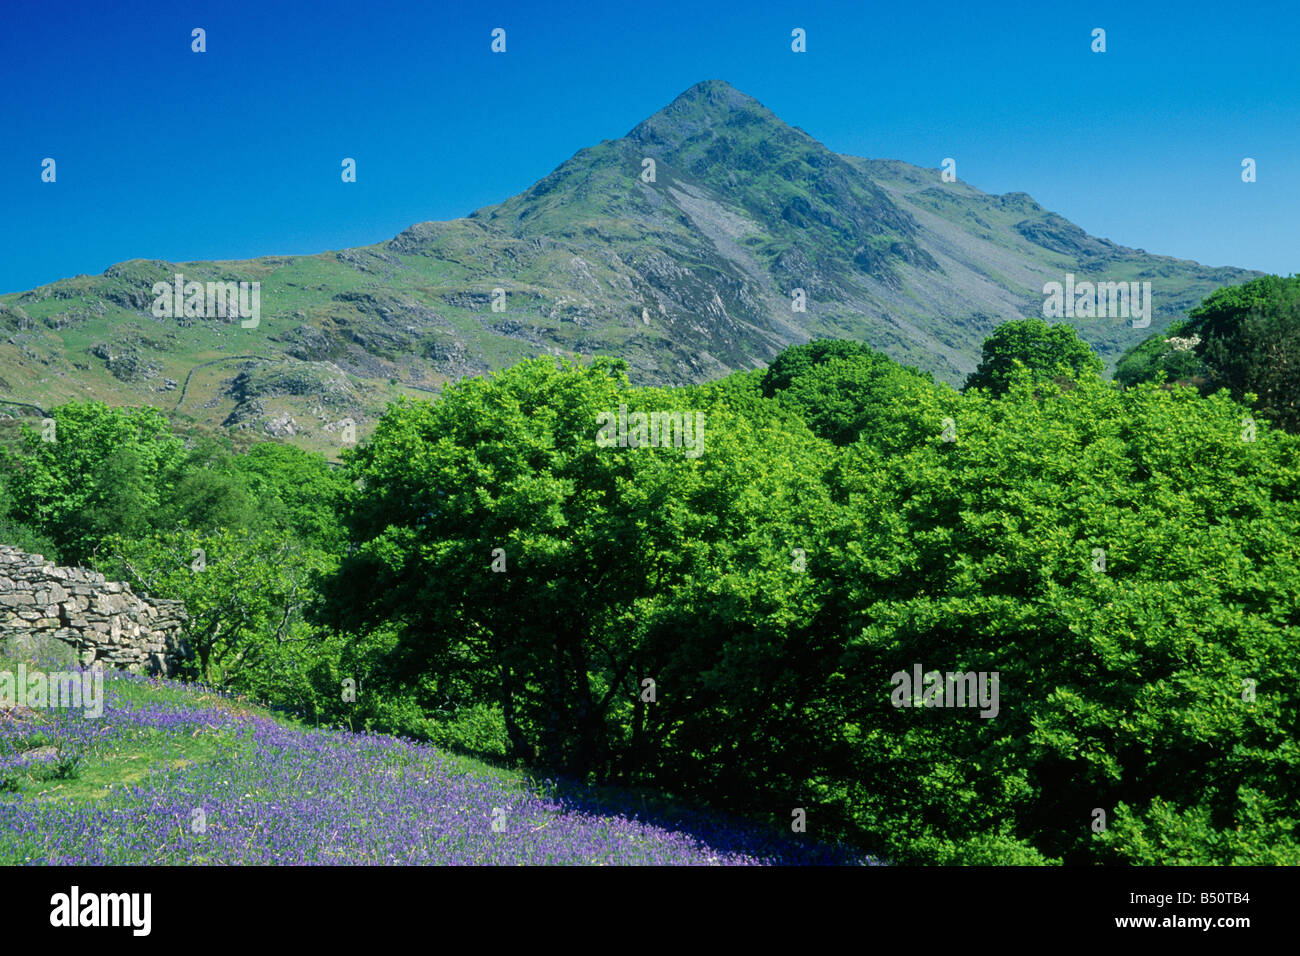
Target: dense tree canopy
column 1250, row 340
column 1243, row 338
column 90, row 472
column 119, row 489
column 1170, row 355
column 1045, row 350
column 735, row 592
column 1124, row 561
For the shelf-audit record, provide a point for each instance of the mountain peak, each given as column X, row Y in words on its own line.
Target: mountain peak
column 707, row 105
column 687, row 267
column 714, row 92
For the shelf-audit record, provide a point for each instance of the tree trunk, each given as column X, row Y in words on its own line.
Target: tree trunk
column 555, row 715
column 519, row 749
column 633, row 764
column 589, row 734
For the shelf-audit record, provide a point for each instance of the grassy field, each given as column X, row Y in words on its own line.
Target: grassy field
column 176, row 774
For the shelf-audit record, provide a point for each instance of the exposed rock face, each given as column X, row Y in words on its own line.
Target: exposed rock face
column 74, row 616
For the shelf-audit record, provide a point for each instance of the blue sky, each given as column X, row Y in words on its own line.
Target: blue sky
column 233, row 153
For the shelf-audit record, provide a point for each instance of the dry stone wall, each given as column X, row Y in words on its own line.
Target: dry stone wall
column 72, row 615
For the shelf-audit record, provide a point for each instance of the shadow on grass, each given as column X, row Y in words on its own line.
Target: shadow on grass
column 722, row 831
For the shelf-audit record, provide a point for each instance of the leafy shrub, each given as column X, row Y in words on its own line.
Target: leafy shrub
column 478, row 728
column 1123, row 684
column 1044, row 350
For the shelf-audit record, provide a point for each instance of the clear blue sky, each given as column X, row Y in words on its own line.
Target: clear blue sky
column 168, row 154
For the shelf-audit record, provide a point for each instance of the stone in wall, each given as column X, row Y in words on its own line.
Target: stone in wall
column 72, row 615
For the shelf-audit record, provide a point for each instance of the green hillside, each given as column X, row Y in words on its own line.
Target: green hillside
column 687, row 278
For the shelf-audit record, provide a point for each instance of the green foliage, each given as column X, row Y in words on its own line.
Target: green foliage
column 295, row 490
column 124, row 473
column 1251, row 344
column 1120, row 686
column 798, row 360
column 828, row 537
column 477, row 728
column 1170, row 356
column 511, row 463
column 207, row 490
column 1244, row 338
column 1260, row 832
column 506, row 463
column 244, row 592
column 1221, row 310
column 20, row 534
column 843, row 399
column 117, row 488
column 98, row 475
column 489, row 576
column 1045, row 350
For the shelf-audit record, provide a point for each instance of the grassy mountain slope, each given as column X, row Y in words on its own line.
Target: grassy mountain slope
column 687, row 277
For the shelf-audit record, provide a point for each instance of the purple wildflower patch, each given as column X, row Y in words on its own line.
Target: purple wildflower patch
column 274, row 794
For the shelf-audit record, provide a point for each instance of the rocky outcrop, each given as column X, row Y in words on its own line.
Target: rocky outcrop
column 73, row 615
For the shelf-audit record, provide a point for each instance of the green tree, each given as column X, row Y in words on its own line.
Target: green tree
column 296, row 490
column 1126, row 562
column 244, row 592
column 204, row 490
column 618, row 565
column 16, row 532
column 859, row 396
column 1245, row 338
column 1171, row 353
column 797, row 360
column 1046, row 350
column 506, row 471
column 97, row 471
column 1250, row 341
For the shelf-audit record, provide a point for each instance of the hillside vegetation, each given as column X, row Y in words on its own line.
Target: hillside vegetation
column 1243, row 338
column 175, row 775
column 730, row 615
